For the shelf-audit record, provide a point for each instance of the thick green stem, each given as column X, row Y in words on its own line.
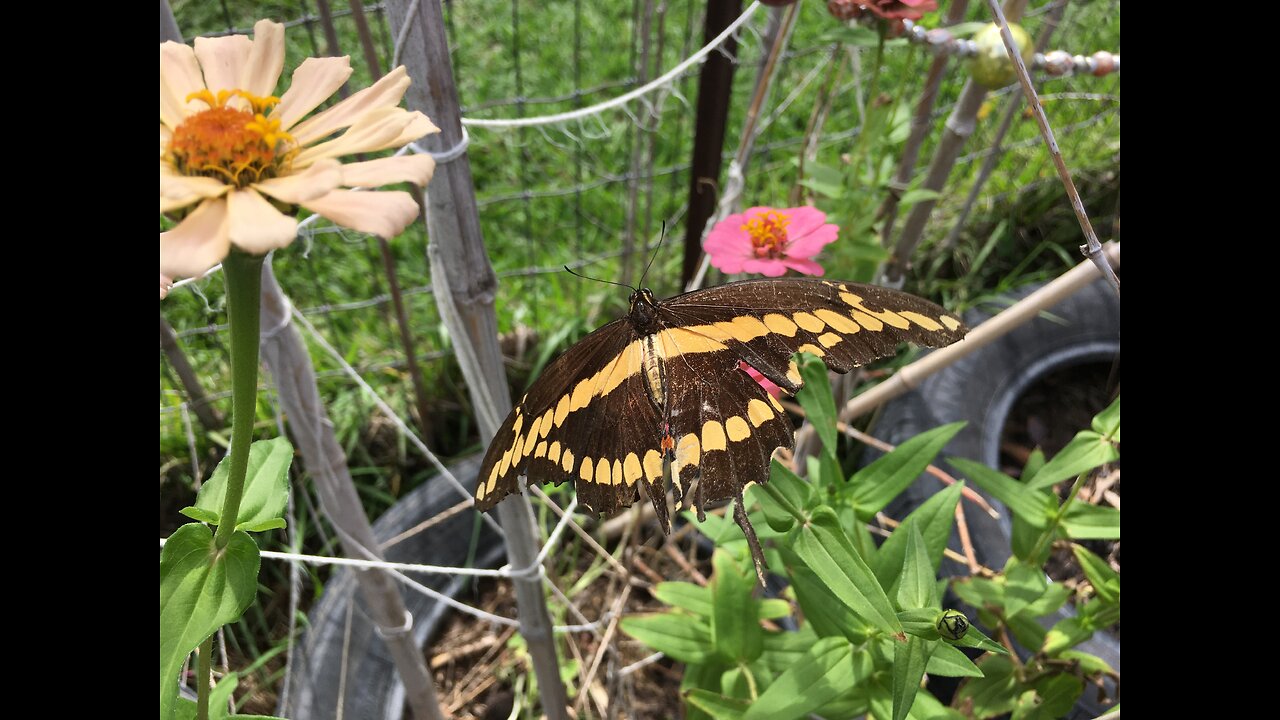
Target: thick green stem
column 243, row 275
column 1050, row 531
column 204, row 678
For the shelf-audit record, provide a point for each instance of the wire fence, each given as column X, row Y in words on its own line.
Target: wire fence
column 589, row 190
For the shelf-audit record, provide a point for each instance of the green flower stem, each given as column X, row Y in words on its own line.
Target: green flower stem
column 1050, row 531
column 243, row 275
column 204, row 678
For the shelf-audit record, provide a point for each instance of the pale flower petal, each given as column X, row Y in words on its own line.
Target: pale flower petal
column 416, row 169
column 198, row 243
column 223, row 59
column 385, row 93
column 256, row 226
column 166, row 283
column 372, row 132
column 177, row 191
column 420, row 127
column 261, row 73
column 165, row 136
column 316, row 181
column 380, row 213
column 315, row 81
column 179, row 77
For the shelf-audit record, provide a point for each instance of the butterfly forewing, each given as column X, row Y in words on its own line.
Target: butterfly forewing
column 612, row 409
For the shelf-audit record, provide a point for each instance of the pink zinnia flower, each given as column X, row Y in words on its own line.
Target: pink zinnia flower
column 768, row 241
column 901, row 9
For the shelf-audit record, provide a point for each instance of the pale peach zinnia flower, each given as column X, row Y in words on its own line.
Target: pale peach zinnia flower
column 244, row 158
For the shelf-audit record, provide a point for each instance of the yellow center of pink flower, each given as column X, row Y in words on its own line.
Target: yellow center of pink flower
column 238, row 146
column 768, row 233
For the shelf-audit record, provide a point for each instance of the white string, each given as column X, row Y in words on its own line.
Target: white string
column 443, row 156
column 625, row 97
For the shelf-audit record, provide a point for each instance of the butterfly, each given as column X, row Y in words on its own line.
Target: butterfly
column 663, row 387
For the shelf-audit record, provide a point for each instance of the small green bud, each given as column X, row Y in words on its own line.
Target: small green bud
column 991, row 66
column 952, row 624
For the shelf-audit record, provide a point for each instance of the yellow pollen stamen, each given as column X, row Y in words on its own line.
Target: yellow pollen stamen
column 768, row 232
column 236, row 145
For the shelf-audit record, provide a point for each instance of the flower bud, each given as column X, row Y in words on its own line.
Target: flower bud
column 952, row 624
column 991, row 66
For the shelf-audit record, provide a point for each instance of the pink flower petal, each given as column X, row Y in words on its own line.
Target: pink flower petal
column 198, row 243
column 804, row 220
column 808, row 267
column 809, row 245
column 765, row 266
column 730, row 264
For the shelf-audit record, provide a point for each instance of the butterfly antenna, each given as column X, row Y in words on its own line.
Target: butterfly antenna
column 587, row 277
column 654, row 256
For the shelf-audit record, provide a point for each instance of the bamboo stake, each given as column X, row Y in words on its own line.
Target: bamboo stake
column 1092, row 249
column 1025, row 310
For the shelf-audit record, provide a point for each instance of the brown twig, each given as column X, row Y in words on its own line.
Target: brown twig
column 1092, row 249
column 962, row 529
column 685, row 565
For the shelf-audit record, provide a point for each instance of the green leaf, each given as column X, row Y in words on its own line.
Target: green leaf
column 825, row 189
column 200, row 514
column 857, row 35
column 735, row 623
column 683, row 638
column 881, row 481
column 1031, row 505
column 1025, row 539
column 1107, row 422
column 1055, row 596
column 825, row 548
column 820, row 675
column 1088, row 663
column 822, row 610
column 718, row 530
column 1083, row 521
column 1024, row 584
column 1105, row 581
column 949, row 661
column 927, row 707
column 1035, row 461
column 792, row 490
column 816, row 399
column 909, row 661
column 773, row 608
column 717, row 705
column 992, row 694
column 784, row 649
column 266, row 485
column 963, row 29
column 979, row 592
column 911, row 197
column 934, row 517
column 200, row 591
column 917, row 589
column 1054, row 697
column 1086, row 451
column 922, row 622
column 975, row 639
column 272, row 524
column 1027, row 630
column 686, row 596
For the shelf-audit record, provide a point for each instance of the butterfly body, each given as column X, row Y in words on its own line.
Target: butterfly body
column 664, row 386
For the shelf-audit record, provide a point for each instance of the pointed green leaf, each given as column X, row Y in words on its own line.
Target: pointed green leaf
column 909, row 661
column 979, row 592
column 200, row 591
column 200, row 514
column 1024, row 584
column 685, row 595
column 1065, row 634
column 916, row 589
column 1027, row 630
column 1083, row 521
column 927, row 707
column 934, row 518
column 261, row 526
column 883, row 480
column 784, row 649
column 1054, row 697
column 995, row 692
column 1025, row 539
column 922, row 622
column 774, row 608
column 975, row 639
column 1086, row 451
column 1107, row 422
column 1030, row 505
column 1105, row 581
column 820, row 675
column 1035, row 461
column 816, row 399
column 735, row 622
column 793, row 494
column 911, row 197
column 716, row 705
column 1088, row 663
column 681, row 637
column 825, row 548
column 823, row 611
column 950, row 661
column 266, row 486
column 1055, row 596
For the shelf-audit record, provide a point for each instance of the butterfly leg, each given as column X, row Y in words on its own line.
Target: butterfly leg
column 757, row 552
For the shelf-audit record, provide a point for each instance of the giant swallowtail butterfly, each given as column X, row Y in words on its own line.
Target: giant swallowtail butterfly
column 664, row 385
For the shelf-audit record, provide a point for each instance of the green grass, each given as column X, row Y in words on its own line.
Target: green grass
column 1021, row 230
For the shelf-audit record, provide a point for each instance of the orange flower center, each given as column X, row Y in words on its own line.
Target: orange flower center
column 239, row 146
column 768, row 233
